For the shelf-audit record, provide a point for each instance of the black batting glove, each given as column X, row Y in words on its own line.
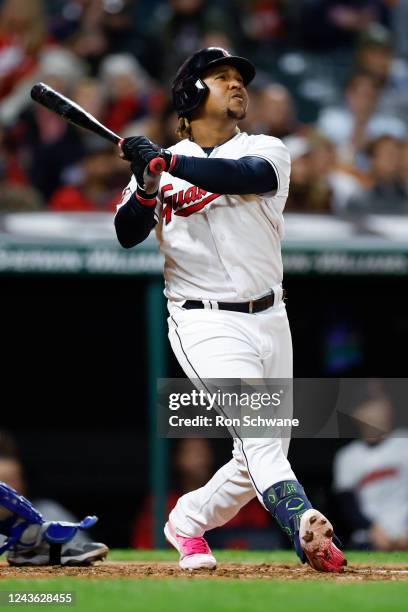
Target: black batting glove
column 137, row 164
column 147, row 184
column 145, row 149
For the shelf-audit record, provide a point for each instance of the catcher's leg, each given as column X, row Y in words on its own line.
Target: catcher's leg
column 33, row 541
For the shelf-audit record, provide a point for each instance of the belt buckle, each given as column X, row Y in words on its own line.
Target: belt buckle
column 250, row 306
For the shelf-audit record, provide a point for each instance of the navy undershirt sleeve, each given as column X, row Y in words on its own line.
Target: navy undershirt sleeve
column 134, row 222
column 227, row 176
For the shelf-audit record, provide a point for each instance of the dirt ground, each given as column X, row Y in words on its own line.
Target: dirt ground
column 269, row 571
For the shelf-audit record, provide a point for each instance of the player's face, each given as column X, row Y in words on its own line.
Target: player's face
column 228, row 96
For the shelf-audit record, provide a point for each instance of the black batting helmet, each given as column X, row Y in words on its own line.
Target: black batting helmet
column 189, row 90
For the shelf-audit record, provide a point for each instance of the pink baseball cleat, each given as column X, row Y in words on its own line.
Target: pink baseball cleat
column 316, row 540
column 194, row 552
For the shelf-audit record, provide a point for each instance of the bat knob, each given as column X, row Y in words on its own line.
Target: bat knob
column 39, row 92
column 157, row 165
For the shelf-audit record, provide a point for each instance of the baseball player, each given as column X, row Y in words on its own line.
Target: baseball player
column 32, row 541
column 220, row 202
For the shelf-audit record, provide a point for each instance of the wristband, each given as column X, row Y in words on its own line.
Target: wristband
column 146, row 199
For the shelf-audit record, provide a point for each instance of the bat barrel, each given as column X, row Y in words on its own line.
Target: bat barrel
column 75, row 114
column 70, row 111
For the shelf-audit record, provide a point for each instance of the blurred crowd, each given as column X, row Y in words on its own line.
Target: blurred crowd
column 332, row 82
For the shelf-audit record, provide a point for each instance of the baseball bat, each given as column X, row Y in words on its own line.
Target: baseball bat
column 74, row 113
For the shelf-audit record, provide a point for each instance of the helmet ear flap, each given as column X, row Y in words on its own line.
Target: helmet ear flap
column 188, row 94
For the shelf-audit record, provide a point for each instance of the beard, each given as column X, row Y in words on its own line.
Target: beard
column 237, row 115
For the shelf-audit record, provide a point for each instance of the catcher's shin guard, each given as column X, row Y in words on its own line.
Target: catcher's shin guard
column 16, row 514
column 31, row 540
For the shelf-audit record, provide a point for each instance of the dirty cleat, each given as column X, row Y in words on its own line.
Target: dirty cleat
column 316, row 541
column 194, row 552
column 309, row 531
column 57, row 554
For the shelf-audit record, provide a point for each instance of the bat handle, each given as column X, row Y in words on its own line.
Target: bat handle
column 157, row 165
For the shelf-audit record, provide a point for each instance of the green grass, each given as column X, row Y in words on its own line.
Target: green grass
column 147, row 595
column 233, row 595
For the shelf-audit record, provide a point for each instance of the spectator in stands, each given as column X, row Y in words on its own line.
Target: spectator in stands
column 307, row 193
column 123, row 23
column 93, row 29
column 10, row 168
column 102, row 174
column 15, row 195
column 403, row 166
column 91, row 94
column 22, row 37
column 276, row 112
column 326, row 170
column 85, row 36
column 23, row 43
column 371, row 479
column 375, row 56
column 47, row 144
column 131, row 93
column 58, row 67
column 18, row 198
column 177, row 29
column 326, row 25
column 264, row 24
column 388, row 193
column 353, row 124
column 192, row 463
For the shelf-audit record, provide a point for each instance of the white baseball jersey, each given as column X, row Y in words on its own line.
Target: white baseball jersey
column 222, row 247
column 379, row 477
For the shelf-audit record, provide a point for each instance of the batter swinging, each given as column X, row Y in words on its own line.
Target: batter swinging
column 220, row 203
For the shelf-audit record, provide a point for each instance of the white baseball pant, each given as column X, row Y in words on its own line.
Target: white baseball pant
column 226, row 344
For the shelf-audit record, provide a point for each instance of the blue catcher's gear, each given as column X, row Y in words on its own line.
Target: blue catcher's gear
column 21, row 513
column 33, row 541
column 62, row 532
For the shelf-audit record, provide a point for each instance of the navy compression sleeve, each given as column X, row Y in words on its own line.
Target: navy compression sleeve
column 134, row 222
column 227, row 176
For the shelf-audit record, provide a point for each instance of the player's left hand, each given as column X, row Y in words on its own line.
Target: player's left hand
column 140, row 146
column 147, row 183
